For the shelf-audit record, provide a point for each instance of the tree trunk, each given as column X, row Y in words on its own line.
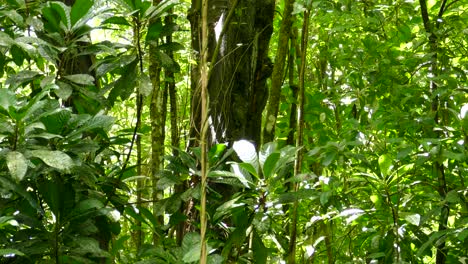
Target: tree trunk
column 278, row 69
column 237, row 85
column 437, row 167
column 157, row 115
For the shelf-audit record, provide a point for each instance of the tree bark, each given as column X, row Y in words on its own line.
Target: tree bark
column 437, row 167
column 237, row 85
column 278, row 70
column 157, row 115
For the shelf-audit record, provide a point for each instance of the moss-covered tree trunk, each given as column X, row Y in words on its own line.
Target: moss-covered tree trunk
column 158, row 117
column 278, row 72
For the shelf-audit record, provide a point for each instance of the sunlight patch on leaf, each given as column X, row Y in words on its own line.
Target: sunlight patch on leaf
column 55, row 159
column 351, row 214
column 17, row 165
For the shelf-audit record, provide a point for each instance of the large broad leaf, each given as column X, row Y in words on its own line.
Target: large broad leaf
column 191, row 245
column 154, row 30
column 226, row 207
column 246, row 152
column 165, row 60
column 5, row 40
column 7, row 99
column 265, row 151
column 270, row 165
column 56, row 121
column 79, row 10
column 28, row 111
column 53, row 158
column 57, row 14
column 8, row 184
column 17, row 165
column 87, row 245
column 83, row 79
column 158, row 10
column 125, row 85
column 59, row 196
column 243, row 174
column 10, row 252
column 21, row 78
column 260, row 253
column 116, row 21
column 385, row 164
column 96, row 122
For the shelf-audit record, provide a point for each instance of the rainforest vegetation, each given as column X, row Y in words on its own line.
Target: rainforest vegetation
column 233, row 131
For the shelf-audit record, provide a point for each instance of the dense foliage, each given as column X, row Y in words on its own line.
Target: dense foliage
column 89, row 173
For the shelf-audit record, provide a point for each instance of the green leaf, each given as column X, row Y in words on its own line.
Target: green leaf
column 154, row 30
column 215, row 259
column 64, row 90
column 226, row 207
column 260, row 253
column 116, row 20
column 246, row 152
column 329, row 158
column 7, row 99
column 376, row 255
column 57, row 13
column 166, row 61
column 10, row 252
column 290, row 197
column 50, row 192
column 405, row 32
column 12, row 186
column 6, row 40
column 96, row 122
column 79, row 9
column 125, row 85
column 56, row 121
column 54, row 158
column 215, row 153
column 452, row 197
column 17, row 165
column 89, row 204
column 191, row 245
column 171, row 47
column 14, row 17
column 18, row 55
column 21, row 78
column 385, row 164
column 249, row 168
column 265, row 151
column 83, row 79
column 270, row 165
column 158, row 10
column 411, row 218
column 87, row 245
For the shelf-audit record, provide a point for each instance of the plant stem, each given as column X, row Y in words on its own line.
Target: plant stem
column 204, row 74
column 300, row 136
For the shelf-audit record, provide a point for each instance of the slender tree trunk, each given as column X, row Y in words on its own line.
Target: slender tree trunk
column 139, row 102
column 437, row 167
column 299, row 138
column 157, row 115
column 278, row 70
column 204, row 129
column 175, row 141
column 294, row 89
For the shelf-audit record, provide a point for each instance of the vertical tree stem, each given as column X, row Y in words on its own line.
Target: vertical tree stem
column 277, row 75
column 438, row 168
column 299, row 137
column 204, row 129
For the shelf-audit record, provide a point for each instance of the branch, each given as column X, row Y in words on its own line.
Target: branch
column 442, row 9
column 425, row 16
